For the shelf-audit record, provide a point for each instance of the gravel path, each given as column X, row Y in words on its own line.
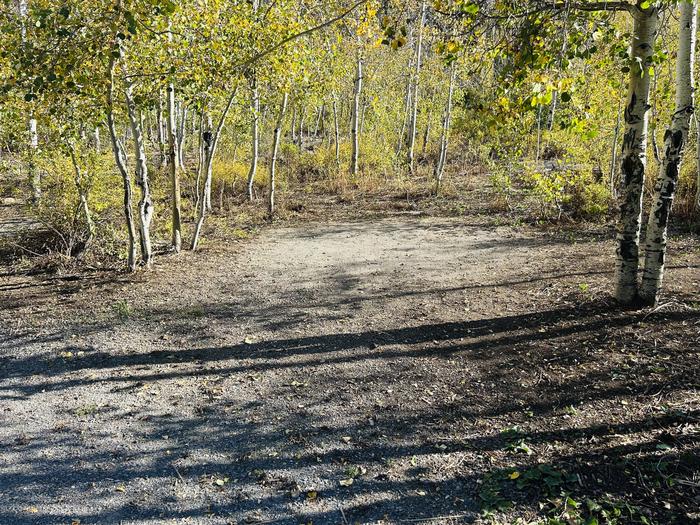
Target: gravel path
column 339, row 373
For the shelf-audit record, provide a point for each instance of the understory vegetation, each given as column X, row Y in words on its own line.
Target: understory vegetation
column 180, row 104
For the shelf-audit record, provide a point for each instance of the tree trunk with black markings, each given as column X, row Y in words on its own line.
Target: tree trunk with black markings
column 675, row 139
column 633, row 156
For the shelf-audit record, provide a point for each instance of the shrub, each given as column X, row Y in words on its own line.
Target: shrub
column 573, row 193
column 59, row 209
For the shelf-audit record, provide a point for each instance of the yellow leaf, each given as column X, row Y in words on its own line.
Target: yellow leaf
column 312, row 494
column 120, row 488
column 514, row 475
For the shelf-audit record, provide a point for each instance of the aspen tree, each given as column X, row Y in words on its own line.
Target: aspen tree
column 412, row 128
column 675, row 140
column 633, row 154
column 273, row 157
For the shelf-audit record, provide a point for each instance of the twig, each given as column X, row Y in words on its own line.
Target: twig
column 23, row 248
column 419, row 520
column 345, row 520
column 662, row 306
column 688, row 483
column 179, row 475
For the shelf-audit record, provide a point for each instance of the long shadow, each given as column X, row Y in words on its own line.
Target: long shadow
column 281, row 450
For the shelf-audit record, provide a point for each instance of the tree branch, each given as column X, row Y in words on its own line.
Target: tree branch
column 244, row 65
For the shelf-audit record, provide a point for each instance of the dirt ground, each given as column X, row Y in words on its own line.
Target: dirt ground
column 401, row 370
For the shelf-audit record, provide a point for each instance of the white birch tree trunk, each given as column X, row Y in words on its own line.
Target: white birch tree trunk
column 181, row 133
column 174, row 167
column 633, row 155
column 210, row 142
column 255, row 138
column 300, row 135
column 120, row 159
column 613, row 160
column 362, row 118
column 319, row 120
column 354, row 161
column 34, row 173
column 273, row 156
column 145, row 205
column 162, row 157
column 675, row 139
column 82, row 196
column 200, row 161
column 336, row 127
column 412, row 128
column 697, row 157
column 426, row 134
column 445, row 135
column 405, row 115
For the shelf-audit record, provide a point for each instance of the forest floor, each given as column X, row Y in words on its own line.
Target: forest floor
column 405, row 369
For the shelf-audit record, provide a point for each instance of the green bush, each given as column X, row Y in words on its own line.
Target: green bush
column 574, row 194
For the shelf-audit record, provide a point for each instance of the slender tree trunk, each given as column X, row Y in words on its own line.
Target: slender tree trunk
column 145, row 202
column 555, row 96
column 337, row 133
column 445, row 136
column 356, row 116
column 426, row 135
column 181, row 132
column 174, row 172
column 675, row 139
column 162, row 157
column 255, row 138
column 613, row 161
column 300, row 135
column 210, row 141
column 633, row 155
column 120, row 159
column 697, row 156
column 412, row 128
column 200, row 162
column 539, row 134
column 273, row 156
column 82, row 195
column 34, row 173
column 321, row 118
column 406, row 109
column 362, row 118
column 98, row 141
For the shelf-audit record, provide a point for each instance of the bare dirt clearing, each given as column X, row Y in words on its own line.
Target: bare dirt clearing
column 351, row 372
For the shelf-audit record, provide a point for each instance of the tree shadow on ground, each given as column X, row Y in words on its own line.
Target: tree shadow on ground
column 426, row 420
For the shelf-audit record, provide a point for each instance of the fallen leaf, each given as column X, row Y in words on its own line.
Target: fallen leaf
column 514, row 475
column 120, row 488
column 312, row 495
column 346, row 482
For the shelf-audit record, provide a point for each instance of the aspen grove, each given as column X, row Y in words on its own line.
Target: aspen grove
column 237, row 154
